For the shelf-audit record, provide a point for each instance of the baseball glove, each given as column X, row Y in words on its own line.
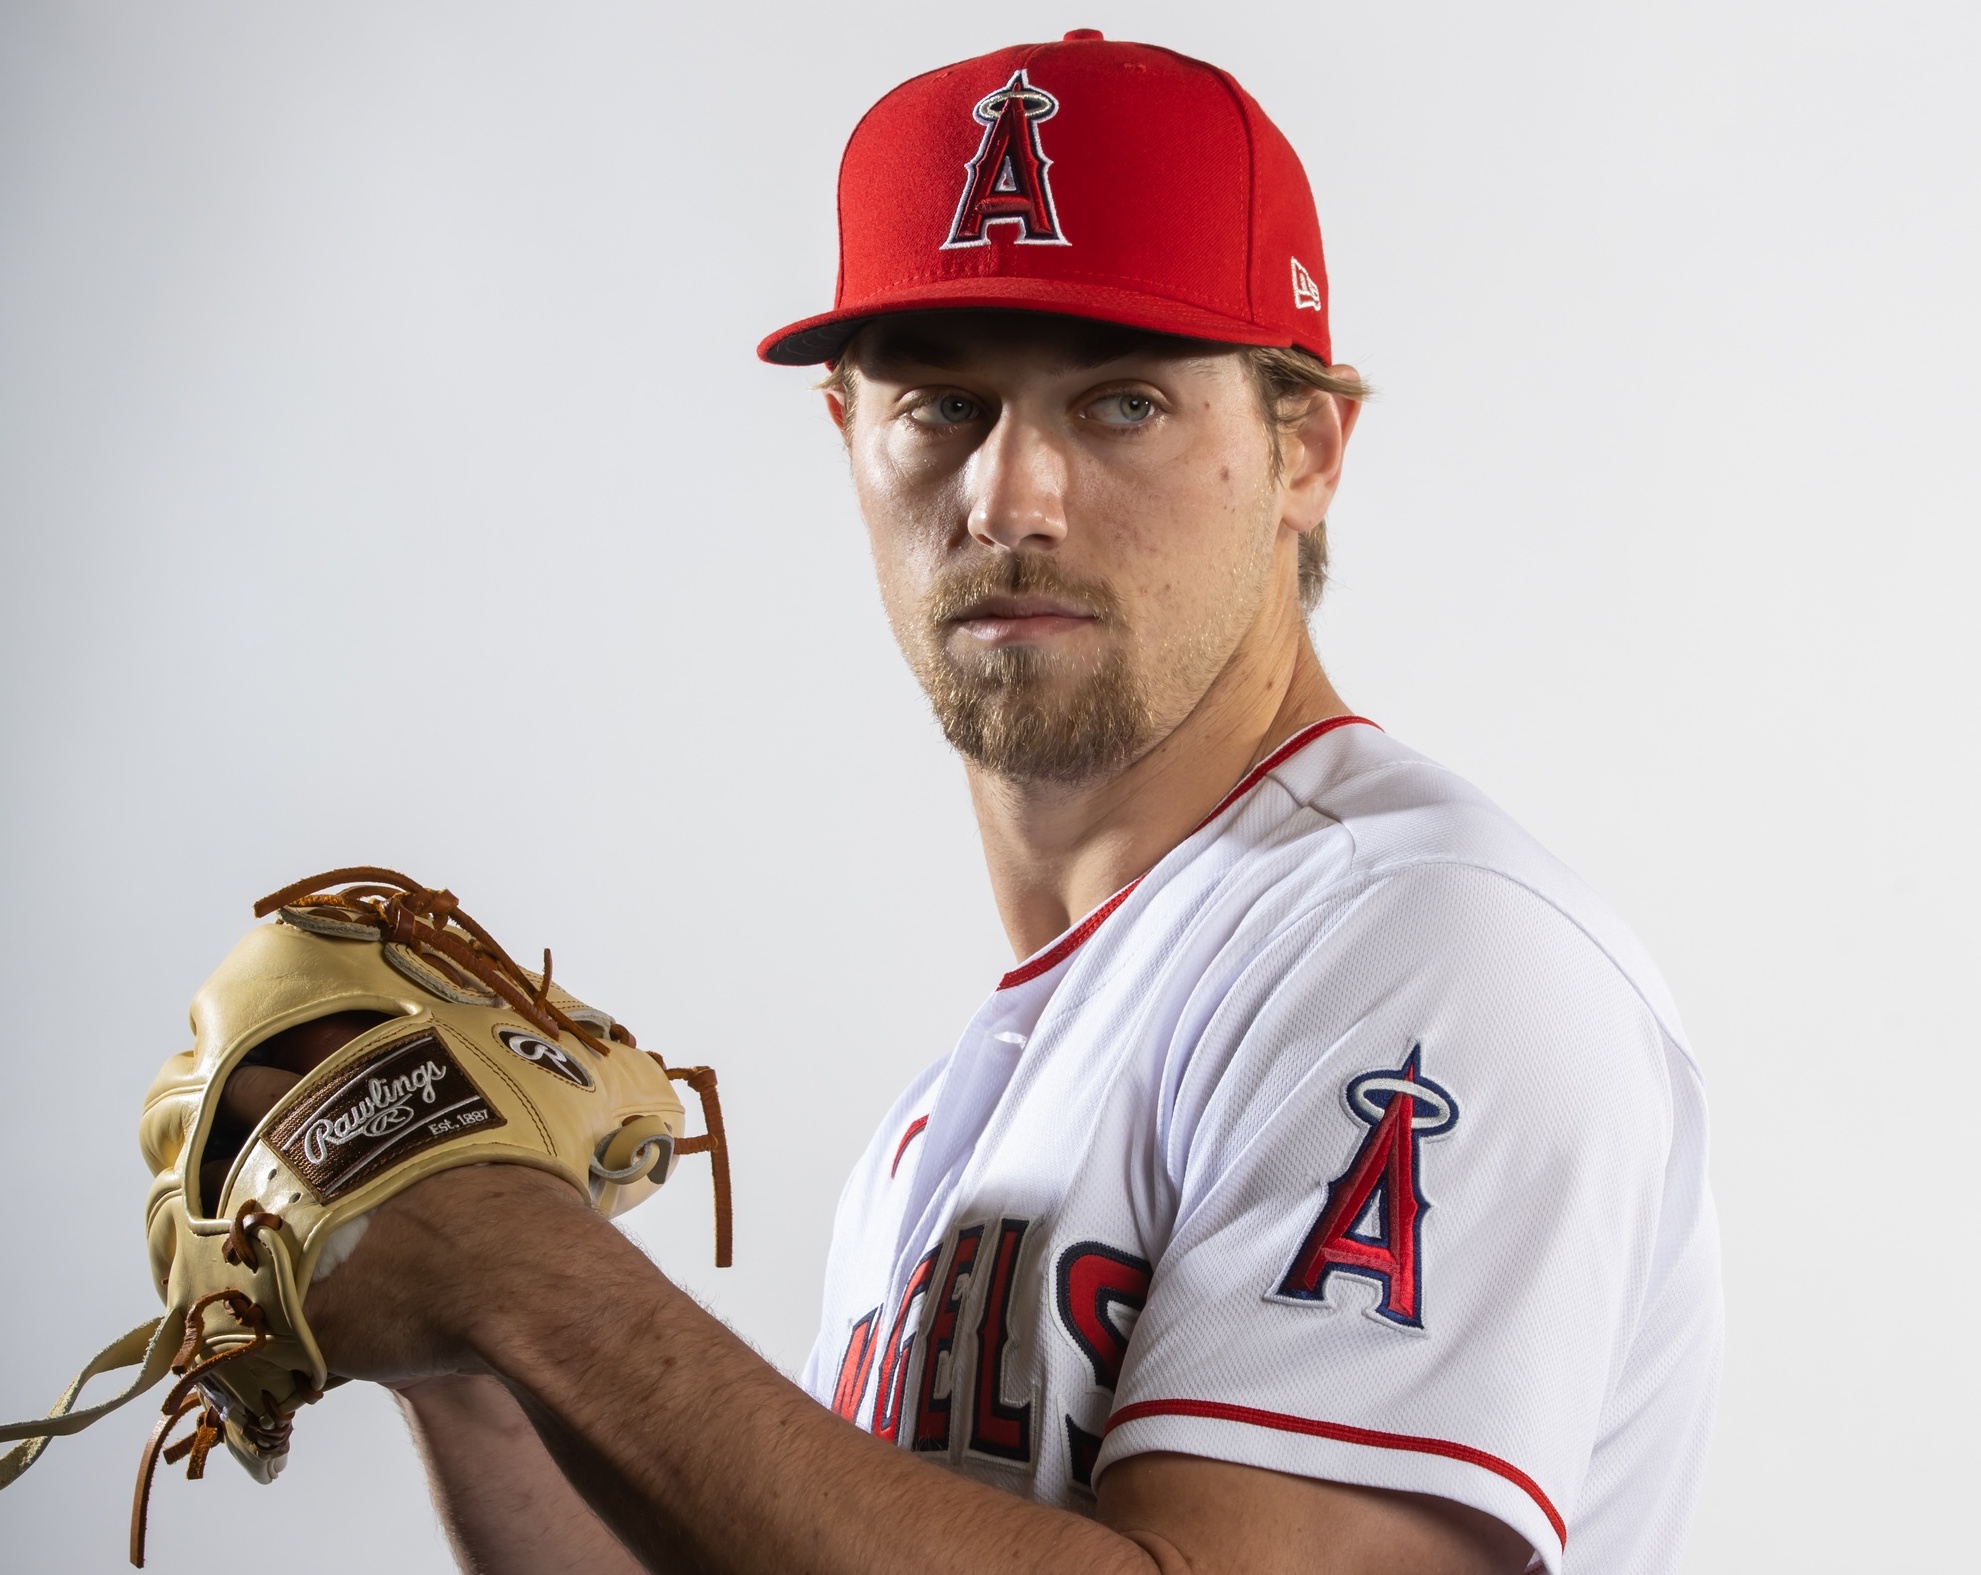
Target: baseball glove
column 399, row 1039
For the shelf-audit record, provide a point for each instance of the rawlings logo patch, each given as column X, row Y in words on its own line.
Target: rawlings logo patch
column 1008, row 181
column 400, row 1099
column 553, row 1058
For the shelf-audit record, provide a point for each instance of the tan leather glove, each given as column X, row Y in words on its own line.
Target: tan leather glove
column 397, row 1039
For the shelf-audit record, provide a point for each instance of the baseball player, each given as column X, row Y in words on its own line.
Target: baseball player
column 1324, row 1187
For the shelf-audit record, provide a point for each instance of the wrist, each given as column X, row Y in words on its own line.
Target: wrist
column 461, row 1254
column 535, row 1266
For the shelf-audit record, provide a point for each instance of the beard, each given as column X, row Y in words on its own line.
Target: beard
column 1019, row 712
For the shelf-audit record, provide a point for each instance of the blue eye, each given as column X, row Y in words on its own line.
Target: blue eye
column 1123, row 410
column 946, row 410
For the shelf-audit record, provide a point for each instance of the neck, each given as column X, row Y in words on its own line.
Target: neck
column 1055, row 852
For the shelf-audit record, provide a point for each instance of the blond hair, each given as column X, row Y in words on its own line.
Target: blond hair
column 1287, row 378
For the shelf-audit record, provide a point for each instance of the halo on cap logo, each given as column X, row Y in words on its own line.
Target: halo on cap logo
column 1008, row 182
column 554, row 1059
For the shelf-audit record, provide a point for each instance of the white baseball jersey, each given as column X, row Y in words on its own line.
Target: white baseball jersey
column 1357, row 1140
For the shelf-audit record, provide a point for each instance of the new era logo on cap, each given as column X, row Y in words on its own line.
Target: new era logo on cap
column 1114, row 181
column 1306, row 293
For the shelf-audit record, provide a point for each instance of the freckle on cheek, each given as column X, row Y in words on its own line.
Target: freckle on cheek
column 1224, row 473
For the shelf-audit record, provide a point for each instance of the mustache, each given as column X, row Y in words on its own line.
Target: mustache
column 1015, row 574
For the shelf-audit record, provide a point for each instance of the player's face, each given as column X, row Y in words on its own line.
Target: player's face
column 1075, row 528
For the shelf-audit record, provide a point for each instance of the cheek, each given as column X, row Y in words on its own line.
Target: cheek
column 896, row 567
column 1176, row 535
column 903, row 530
column 1231, row 503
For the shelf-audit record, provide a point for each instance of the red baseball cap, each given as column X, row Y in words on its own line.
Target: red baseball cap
column 1113, row 181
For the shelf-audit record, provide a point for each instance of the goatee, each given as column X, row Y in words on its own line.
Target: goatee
column 1019, row 712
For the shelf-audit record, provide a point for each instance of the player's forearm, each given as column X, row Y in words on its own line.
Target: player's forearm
column 694, row 1450
column 508, row 1510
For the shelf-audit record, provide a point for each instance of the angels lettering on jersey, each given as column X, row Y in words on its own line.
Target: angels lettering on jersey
column 971, row 1308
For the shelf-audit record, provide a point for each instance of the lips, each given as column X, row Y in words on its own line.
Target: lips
column 1004, row 609
column 1020, row 599
column 1004, row 619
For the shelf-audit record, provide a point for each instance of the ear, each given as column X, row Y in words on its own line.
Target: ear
column 1312, row 453
column 836, row 408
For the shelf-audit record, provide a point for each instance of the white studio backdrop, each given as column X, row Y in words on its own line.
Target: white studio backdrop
column 385, row 475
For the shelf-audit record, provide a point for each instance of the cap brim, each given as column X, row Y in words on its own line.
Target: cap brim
column 825, row 337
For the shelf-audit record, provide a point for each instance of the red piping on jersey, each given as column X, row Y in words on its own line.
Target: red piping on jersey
column 914, row 1131
column 1081, row 933
column 1218, row 1411
column 1069, row 943
column 1279, row 757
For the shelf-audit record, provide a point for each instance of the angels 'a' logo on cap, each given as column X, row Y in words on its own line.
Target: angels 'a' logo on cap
column 1008, row 181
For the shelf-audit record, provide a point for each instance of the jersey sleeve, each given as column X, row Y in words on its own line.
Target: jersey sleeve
column 1418, row 1151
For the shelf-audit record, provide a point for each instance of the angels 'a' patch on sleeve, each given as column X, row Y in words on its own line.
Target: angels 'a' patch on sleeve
column 1371, row 1224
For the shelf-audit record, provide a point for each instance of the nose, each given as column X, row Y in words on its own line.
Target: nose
column 1017, row 482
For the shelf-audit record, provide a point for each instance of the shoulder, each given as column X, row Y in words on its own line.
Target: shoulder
column 1359, row 829
column 1368, row 902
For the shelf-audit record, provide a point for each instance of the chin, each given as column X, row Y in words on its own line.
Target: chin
column 1022, row 716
